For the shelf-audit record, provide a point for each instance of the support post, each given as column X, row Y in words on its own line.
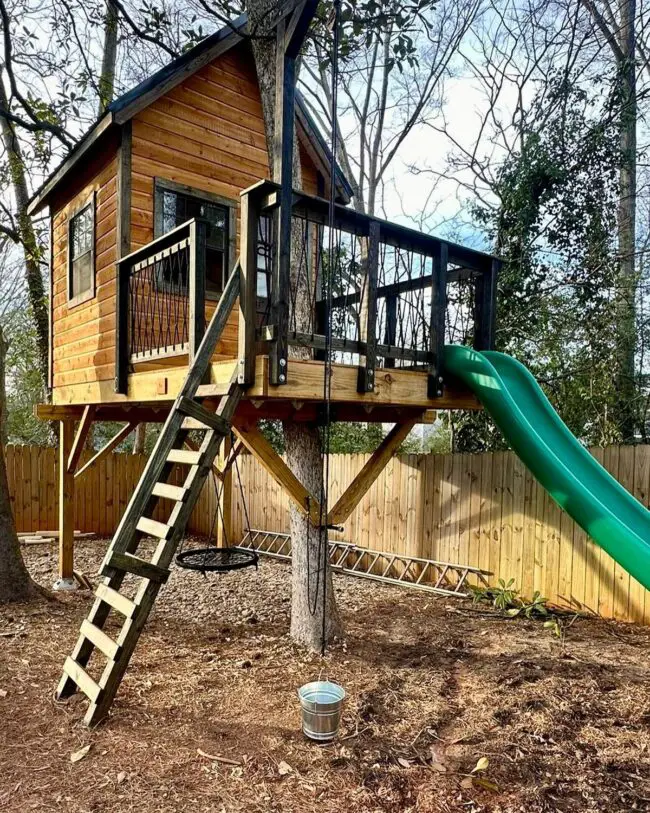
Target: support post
column 290, row 34
column 437, row 321
column 366, row 381
column 485, row 297
column 259, row 446
column 197, row 270
column 85, row 423
column 354, row 493
column 122, row 350
column 66, row 508
column 250, row 220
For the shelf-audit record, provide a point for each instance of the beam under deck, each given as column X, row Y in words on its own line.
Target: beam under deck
column 150, row 393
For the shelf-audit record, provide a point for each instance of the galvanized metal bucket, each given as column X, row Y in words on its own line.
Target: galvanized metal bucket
column 321, row 703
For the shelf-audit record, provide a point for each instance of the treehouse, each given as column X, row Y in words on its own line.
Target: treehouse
column 149, row 214
column 162, row 223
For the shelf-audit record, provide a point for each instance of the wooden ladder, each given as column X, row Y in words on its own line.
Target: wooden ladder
column 186, row 414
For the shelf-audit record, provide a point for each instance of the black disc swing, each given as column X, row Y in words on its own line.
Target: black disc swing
column 212, row 559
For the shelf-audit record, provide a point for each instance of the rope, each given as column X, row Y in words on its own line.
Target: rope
column 328, row 364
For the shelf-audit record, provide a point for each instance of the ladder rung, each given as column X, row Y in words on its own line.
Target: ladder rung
column 99, row 638
column 185, row 456
column 139, row 567
column 116, row 600
column 194, row 410
column 82, row 679
column 152, row 527
column 176, row 493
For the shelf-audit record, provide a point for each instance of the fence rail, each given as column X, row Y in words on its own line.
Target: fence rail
column 483, row 510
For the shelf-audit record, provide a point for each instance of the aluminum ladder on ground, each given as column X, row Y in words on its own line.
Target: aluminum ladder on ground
column 187, row 414
column 443, row 578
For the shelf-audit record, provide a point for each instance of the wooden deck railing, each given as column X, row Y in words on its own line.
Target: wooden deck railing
column 378, row 294
column 161, row 298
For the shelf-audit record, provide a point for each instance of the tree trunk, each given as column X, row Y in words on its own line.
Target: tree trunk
column 109, row 56
column 628, row 278
column 15, row 582
column 312, row 593
column 140, row 438
column 31, row 249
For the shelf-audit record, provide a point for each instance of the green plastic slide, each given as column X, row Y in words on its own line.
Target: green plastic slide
column 611, row 516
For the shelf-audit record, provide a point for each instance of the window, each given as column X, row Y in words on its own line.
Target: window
column 81, row 253
column 176, row 204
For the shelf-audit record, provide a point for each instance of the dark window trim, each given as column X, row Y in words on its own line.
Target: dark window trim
column 85, row 296
column 162, row 184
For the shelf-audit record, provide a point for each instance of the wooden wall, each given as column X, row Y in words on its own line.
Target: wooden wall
column 207, row 133
column 84, row 335
column 484, row 510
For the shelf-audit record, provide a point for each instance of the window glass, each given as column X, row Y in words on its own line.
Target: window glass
column 177, row 208
column 81, row 252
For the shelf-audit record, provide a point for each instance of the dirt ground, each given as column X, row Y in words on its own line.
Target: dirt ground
column 434, row 685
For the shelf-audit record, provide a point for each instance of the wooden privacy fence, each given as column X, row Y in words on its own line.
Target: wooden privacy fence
column 480, row 510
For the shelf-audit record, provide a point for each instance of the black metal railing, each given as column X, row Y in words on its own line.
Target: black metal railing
column 161, row 298
column 389, row 296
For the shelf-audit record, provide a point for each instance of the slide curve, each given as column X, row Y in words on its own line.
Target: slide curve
column 611, row 516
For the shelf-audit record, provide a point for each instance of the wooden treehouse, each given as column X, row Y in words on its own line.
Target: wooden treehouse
column 175, row 272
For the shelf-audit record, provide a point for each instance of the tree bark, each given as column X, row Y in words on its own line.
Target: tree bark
column 628, row 278
column 31, row 249
column 109, row 56
column 15, row 582
column 312, row 593
column 140, row 438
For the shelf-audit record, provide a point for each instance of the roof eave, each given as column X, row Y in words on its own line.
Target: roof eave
column 40, row 199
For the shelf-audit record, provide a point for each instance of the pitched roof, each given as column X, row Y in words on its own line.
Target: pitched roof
column 130, row 103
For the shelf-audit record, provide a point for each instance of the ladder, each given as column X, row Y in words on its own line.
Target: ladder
column 121, row 558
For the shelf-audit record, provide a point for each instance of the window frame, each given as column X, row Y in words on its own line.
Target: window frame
column 162, row 185
column 84, row 296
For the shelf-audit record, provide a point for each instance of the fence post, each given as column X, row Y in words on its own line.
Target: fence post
column 366, row 379
column 437, row 321
column 197, row 271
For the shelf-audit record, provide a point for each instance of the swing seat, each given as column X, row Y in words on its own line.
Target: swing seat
column 217, row 560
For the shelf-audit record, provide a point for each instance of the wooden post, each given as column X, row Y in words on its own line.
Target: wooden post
column 437, row 321
column 366, row 381
column 290, row 34
column 485, row 295
column 66, row 508
column 123, row 248
column 224, row 526
column 250, row 218
column 391, row 327
column 197, row 270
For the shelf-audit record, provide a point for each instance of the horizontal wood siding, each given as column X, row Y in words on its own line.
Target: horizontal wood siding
column 207, row 133
column 84, row 336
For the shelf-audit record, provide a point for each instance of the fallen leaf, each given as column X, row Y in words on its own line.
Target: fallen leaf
column 284, row 768
column 439, row 767
column 3, row 692
column 405, row 763
column 485, row 783
column 467, row 782
column 121, row 777
column 481, row 765
column 80, row 754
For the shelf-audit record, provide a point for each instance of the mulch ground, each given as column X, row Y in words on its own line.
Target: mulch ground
column 434, row 685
